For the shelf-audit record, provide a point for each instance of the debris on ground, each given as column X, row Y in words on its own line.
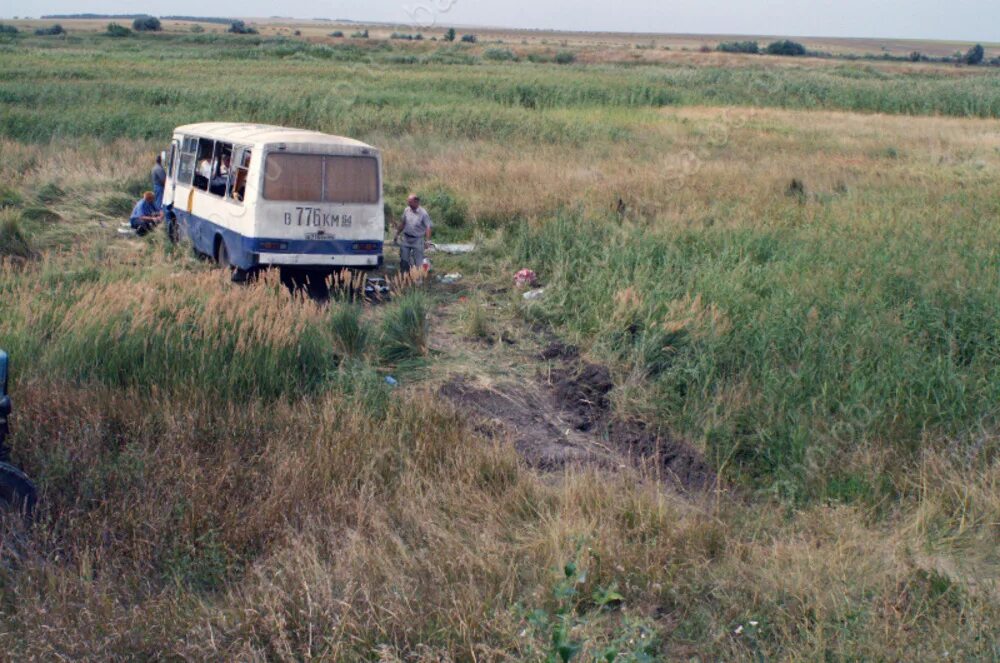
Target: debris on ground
column 452, row 277
column 376, row 288
column 526, row 278
column 454, row 249
column 534, row 294
column 391, row 381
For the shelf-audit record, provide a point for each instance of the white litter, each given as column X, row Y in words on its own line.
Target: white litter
column 454, row 249
column 126, row 231
column 451, row 278
column 534, row 294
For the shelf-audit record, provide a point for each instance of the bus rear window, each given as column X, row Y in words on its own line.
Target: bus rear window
column 318, row 178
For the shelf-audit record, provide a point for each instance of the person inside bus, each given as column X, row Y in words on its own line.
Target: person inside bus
column 145, row 214
column 220, row 180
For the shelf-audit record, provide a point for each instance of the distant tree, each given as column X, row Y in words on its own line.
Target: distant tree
column 786, row 47
column 739, row 47
column 565, row 57
column 241, row 28
column 8, row 29
column 449, row 34
column 975, row 55
column 51, row 30
column 916, row 56
column 470, row 39
column 116, row 30
column 146, row 24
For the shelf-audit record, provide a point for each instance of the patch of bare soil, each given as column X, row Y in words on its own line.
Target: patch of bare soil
column 563, row 418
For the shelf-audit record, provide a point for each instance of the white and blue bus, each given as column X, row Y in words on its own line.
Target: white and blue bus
column 251, row 195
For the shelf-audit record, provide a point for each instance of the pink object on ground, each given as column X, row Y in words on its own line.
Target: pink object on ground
column 525, row 277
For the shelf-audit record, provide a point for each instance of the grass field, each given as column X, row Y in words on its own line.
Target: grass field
column 789, row 265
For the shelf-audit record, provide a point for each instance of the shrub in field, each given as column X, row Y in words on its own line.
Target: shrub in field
column 500, row 55
column 405, row 328
column 197, row 29
column 50, row 31
column 337, row 34
column 241, row 28
column 470, row 39
column 449, row 34
column 146, row 24
column 565, row 57
column 786, row 47
column 739, row 47
column 13, row 241
column 974, row 55
column 8, row 29
column 9, row 197
column 362, row 34
column 351, row 335
column 117, row 30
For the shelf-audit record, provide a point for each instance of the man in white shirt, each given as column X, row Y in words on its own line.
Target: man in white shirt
column 415, row 227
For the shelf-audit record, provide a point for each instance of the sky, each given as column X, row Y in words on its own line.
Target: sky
column 964, row 20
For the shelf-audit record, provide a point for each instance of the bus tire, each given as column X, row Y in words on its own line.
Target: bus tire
column 16, row 490
column 222, row 253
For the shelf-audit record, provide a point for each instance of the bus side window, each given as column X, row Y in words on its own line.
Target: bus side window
column 185, row 168
column 204, row 163
column 238, row 189
column 218, row 181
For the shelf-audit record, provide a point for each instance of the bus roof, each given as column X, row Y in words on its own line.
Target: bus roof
column 238, row 132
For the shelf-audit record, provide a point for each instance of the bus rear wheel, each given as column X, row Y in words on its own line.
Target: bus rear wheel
column 16, row 490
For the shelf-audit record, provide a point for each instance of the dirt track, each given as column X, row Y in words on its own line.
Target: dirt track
column 562, row 417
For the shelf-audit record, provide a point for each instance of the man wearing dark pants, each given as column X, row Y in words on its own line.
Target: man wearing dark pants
column 159, row 177
column 415, row 227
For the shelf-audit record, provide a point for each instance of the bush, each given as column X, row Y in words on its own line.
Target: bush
column 197, row 29
column 470, row 39
column 449, row 34
column 500, row 55
column 565, row 57
column 974, row 55
column 241, row 28
column 360, row 35
column 405, row 329
column 51, row 30
column 786, row 47
column 116, row 30
column 351, row 335
column 338, row 34
column 739, row 47
column 13, row 241
column 916, row 56
column 146, row 24
column 8, row 29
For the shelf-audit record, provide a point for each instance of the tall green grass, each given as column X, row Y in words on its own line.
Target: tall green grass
column 784, row 350
column 144, row 88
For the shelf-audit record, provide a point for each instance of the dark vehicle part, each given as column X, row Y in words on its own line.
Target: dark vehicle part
column 16, row 489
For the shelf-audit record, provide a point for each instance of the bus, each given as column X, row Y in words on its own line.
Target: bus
column 253, row 195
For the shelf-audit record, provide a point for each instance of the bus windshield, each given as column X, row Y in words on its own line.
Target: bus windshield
column 321, row 178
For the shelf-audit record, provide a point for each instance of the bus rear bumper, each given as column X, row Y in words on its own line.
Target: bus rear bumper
column 319, row 260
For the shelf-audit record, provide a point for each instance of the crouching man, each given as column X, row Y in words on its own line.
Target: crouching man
column 415, row 227
column 145, row 214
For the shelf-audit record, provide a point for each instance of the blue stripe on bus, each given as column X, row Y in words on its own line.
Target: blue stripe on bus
column 243, row 250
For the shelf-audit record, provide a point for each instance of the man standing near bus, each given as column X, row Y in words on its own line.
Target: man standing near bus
column 415, row 227
column 159, row 181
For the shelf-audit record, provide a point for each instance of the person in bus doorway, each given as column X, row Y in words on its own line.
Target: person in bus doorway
column 415, row 227
column 145, row 214
column 159, row 177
